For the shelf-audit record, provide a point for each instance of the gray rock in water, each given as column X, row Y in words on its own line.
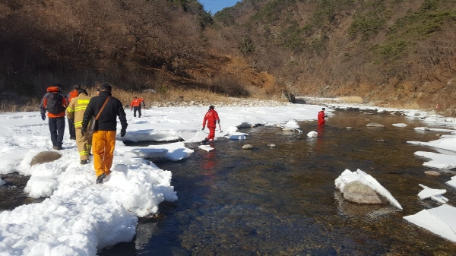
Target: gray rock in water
column 45, row 157
column 374, row 125
column 432, row 173
column 247, row 146
column 359, row 193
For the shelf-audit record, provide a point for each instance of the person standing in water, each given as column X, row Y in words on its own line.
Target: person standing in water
column 321, row 118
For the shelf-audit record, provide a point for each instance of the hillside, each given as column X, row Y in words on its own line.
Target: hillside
column 398, row 53
column 391, row 53
column 134, row 45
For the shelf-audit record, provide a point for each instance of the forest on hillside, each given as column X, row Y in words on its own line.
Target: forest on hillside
column 401, row 51
column 388, row 52
column 134, row 44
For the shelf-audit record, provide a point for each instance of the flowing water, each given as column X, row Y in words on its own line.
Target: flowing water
column 282, row 200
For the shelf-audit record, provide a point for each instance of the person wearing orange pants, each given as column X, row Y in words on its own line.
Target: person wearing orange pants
column 107, row 108
column 103, row 146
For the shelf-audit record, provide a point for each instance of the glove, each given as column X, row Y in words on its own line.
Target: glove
column 43, row 116
column 122, row 132
column 83, row 131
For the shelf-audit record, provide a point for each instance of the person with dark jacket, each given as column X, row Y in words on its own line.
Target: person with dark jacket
column 73, row 94
column 211, row 118
column 55, row 103
column 104, row 135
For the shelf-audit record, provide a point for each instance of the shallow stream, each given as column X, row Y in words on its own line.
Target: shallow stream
column 282, row 200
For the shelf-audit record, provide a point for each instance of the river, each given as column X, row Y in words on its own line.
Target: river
column 282, row 200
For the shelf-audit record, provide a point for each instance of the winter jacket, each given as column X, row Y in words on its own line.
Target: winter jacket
column 321, row 118
column 76, row 109
column 211, row 118
column 108, row 117
column 73, row 94
column 43, row 104
column 137, row 103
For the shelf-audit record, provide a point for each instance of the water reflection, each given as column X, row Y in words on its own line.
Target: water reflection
column 282, row 200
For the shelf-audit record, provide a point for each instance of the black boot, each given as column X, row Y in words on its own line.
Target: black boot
column 101, row 178
column 204, row 141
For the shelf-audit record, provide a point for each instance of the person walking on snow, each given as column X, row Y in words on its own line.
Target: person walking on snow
column 73, row 94
column 104, row 136
column 75, row 113
column 136, row 106
column 321, row 118
column 55, row 103
column 212, row 119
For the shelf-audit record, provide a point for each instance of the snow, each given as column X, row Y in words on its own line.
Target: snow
column 348, row 176
column 439, row 220
column 96, row 216
column 312, row 134
column 400, row 125
column 79, row 217
column 206, row 148
column 291, row 125
column 434, row 194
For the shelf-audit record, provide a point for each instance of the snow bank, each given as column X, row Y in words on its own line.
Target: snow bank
column 440, row 221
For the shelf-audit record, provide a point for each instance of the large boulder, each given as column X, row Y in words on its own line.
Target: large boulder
column 45, row 157
column 360, row 193
column 286, row 95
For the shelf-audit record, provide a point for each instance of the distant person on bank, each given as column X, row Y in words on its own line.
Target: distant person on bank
column 75, row 113
column 104, row 136
column 73, row 94
column 321, row 118
column 55, row 103
column 136, row 106
column 211, row 118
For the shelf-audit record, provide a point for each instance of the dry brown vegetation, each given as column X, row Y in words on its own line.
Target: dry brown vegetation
column 390, row 53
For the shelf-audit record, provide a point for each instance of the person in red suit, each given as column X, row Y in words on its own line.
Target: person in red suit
column 321, row 118
column 136, row 106
column 212, row 119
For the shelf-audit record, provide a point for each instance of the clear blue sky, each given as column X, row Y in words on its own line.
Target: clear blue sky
column 214, row 6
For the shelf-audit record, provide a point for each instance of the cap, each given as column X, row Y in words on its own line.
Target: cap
column 211, row 107
column 105, row 87
column 82, row 91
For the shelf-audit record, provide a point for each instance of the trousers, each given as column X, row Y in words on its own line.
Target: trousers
column 103, row 144
column 57, row 128
column 84, row 143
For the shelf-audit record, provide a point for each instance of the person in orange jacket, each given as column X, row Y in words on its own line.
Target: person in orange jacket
column 70, row 96
column 55, row 103
column 136, row 105
column 211, row 118
column 321, row 118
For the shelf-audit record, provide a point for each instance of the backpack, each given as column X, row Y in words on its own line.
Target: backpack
column 54, row 103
